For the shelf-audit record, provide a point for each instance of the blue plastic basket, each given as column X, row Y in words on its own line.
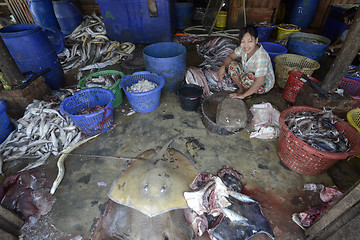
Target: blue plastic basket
column 5, row 125
column 92, row 123
column 264, row 33
column 273, row 50
column 353, row 77
column 146, row 101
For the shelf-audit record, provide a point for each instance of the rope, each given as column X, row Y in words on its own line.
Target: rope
column 230, row 33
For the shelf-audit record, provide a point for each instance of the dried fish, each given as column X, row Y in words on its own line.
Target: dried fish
column 142, row 86
column 91, row 48
column 42, row 131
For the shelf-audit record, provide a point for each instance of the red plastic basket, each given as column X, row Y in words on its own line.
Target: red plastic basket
column 293, row 86
column 350, row 86
column 304, row 159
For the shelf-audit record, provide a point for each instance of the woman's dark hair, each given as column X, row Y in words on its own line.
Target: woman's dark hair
column 350, row 13
column 251, row 29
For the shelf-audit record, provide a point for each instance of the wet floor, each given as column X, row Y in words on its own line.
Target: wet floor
column 94, row 166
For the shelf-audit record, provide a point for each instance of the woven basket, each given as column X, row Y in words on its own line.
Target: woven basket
column 95, row 122
column 304, row 159
column 114, row 88
column 288, row 62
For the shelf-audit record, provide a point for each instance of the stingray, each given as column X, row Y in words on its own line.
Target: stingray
column 154, row 182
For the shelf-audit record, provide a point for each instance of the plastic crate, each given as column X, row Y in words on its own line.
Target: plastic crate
column 350, row 86
column 288, row 62
column 146, row 101
column 5, row 125
column 114, row 88
column 293, row 86
column 304, row 159
column 91, row 123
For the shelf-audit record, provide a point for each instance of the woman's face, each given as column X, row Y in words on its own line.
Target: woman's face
column 248, row 43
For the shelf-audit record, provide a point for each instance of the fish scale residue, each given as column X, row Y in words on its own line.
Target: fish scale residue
column 318, row 130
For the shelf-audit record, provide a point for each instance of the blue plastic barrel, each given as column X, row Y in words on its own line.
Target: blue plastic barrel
column 33, row 52
column 264, row 33
column 130, row 21
column 169, row 60
column 184, row 14
column 43, row 13
column 273, row 50
column 303, row 12
column 68, row 15
column 297, row 45
column 5, row 125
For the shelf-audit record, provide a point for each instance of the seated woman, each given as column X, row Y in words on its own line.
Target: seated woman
column 253, row 73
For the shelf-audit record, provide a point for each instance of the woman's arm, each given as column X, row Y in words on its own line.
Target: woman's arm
column 253, row 89
column 227, row 61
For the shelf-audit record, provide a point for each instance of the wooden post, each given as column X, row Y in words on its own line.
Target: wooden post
column 235, row 14
column 11, row 71
column 345, row 57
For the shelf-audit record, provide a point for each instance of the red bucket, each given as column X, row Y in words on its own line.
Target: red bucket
column 293, row 86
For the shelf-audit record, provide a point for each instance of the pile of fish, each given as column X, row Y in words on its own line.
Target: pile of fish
column 142, row 86
column 218, row 207
column 264, row 25
column 214, row 53
column 353, row 71
column 88, row 47
column 102, row 81
column 318, row 130
column 289, row 26
column 310, row 40
column 41, row 131
column 90, row 110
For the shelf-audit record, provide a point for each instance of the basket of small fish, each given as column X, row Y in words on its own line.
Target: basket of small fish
column 264, row 30
column 287, row 62
column 91, row 109
column 108, row 79
column 313, row 140
column 351, row 81
column 143, row 90
column 285, row 29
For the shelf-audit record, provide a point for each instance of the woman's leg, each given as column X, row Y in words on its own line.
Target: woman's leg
column 235, row 71
column 236, row 79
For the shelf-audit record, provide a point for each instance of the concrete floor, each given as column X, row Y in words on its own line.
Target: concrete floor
column 82, row 194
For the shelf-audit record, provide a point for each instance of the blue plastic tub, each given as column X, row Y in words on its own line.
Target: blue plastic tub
column 130, row 21
column 297, row 45
column 303, row 12
column 264, row 33
column 184, row 14
column 43, row 13
column 5, row 125
column 33, row 52
column 91, row 123
column 353, row 77
column 273, row 50
column 68, row 15
column 146, row 101
column 169, row 60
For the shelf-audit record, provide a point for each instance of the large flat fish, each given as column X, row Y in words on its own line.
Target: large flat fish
column 232, row 114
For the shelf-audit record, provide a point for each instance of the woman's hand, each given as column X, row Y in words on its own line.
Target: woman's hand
column 221, row 73
column 238, row 95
